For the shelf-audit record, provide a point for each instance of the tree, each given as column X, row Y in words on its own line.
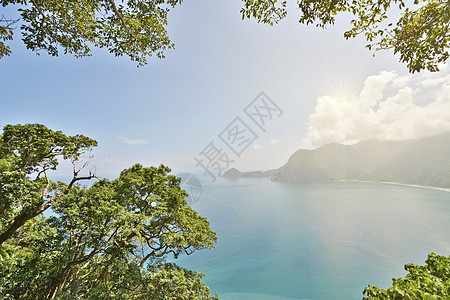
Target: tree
column 421, row 36
column 106, row 241
column 135, row 28
column 33, row 149
column 431, row 281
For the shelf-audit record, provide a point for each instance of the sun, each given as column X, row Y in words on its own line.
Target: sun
column 340, row 89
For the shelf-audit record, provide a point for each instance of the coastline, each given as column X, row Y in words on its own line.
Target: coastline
column 403, row 184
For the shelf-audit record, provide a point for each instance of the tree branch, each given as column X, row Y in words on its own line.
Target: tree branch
column 121, row 18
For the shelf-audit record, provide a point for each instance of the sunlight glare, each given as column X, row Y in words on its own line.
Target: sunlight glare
column 340, row 89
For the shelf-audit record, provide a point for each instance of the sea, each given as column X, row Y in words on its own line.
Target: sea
column 280, row 241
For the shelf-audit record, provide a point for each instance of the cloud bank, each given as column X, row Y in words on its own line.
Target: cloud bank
column 389, row 107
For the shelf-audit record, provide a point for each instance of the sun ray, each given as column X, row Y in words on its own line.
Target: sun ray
column 341, row 89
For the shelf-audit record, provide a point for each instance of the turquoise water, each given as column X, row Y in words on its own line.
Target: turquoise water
column 316, row 241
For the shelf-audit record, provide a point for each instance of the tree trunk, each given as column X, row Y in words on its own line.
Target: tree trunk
column 18, row 222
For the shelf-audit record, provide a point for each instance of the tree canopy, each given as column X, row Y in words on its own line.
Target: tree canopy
column 420, row 36
column 134, row 28
column 431, row 281
column 107, row 241
column 419, row 31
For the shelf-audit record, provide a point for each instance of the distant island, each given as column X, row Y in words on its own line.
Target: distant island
column 423, row 161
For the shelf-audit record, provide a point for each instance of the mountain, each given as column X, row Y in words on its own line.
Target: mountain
column 234, row 173
column 423, row 161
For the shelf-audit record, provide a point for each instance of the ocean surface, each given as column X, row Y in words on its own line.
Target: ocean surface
column 280, row 241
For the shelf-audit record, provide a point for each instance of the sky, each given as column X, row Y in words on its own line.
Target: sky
column 311, row 86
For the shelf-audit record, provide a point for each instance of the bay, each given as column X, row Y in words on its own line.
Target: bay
column 280, row 241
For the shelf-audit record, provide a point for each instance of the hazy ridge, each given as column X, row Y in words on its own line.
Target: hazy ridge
column 423, row 161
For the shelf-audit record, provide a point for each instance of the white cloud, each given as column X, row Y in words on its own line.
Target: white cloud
column 387, row 108
column 431, row 82
column 274, row 142
column 258, row 146
column 132, row 142
column 109, row 160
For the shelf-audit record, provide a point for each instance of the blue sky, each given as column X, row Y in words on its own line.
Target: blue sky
column 169, row 110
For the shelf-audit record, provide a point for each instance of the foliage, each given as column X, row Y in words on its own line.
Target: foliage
column 135, row 28
column 431, row 281
column 421, row 35
column 33, row 149
column 264, row 11
column 106, row 241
